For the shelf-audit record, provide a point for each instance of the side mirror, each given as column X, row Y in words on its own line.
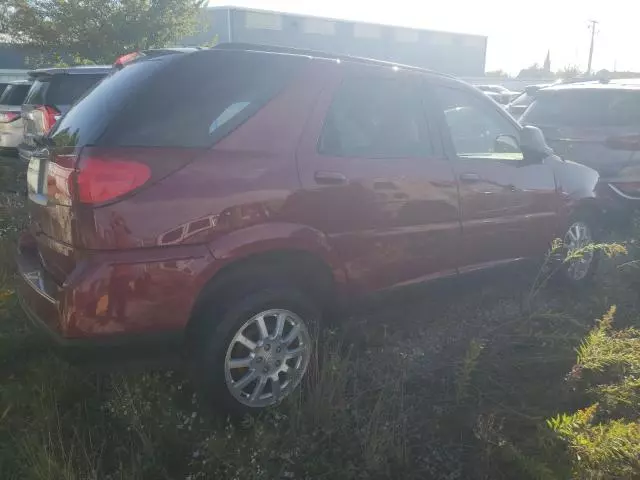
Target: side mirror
column 532, row 142
column 506, row 144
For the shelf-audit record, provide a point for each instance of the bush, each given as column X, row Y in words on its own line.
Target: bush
column 603, row 439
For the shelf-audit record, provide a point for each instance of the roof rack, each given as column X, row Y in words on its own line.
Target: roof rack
column 321, row 54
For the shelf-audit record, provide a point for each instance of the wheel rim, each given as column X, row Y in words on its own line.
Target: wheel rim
column 267, row 358
column 578, row 236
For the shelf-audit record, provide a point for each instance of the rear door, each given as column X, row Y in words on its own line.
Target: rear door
column 579, row 122
column 376, row 182
column 508, row 205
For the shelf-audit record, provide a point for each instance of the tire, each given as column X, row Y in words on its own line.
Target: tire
column 583, row 229
column 241, row 368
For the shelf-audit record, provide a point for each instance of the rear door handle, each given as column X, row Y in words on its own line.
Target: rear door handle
column 469, row 177
column 330, row 178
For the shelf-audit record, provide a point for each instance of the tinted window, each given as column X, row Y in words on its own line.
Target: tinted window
column 201, row 97
column 66, row 89
column 36, row 92
column 585, row 108
column 375, row 118
column 477, row 128
column 14, row 95
column 86, row 121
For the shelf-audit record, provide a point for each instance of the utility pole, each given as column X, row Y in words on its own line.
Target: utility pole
column 592, row 26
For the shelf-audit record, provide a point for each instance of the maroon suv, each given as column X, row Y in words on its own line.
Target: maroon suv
column 227, row 196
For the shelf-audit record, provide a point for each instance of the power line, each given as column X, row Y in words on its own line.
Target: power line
column 592, row 26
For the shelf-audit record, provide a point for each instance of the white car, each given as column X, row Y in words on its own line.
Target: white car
column 11, row 127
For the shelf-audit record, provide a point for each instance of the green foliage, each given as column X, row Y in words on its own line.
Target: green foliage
column 604, row 438
column 98, row 30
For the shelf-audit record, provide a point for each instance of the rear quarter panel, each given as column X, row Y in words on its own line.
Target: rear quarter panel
column 238, row 198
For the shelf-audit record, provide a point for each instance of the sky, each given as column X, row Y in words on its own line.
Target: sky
column 519, row 32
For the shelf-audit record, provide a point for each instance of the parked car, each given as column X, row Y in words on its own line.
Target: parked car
column 3, row 86
column 499, row 93
column 52, row 94
column 225, row 198
column 10, row 115
column 520, row 103
column 596, row 124
column 498, row 98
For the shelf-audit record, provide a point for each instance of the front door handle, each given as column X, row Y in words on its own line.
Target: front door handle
column 469, row 177
column 330, row 178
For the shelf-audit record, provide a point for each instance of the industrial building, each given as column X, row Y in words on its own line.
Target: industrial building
column 458, row 54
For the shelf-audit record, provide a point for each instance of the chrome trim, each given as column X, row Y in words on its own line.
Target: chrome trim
column 621, row 193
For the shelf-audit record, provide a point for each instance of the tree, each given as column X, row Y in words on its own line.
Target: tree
column 98, row 30
column 534, row 71
column 496, row 74
column 569, row 71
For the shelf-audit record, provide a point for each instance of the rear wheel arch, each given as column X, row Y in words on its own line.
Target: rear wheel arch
column 304, row 270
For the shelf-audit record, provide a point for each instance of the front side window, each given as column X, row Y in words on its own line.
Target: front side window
column 375, row 118
column 477, row 129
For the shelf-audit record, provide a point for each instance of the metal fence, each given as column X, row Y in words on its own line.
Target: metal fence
column 11, row 75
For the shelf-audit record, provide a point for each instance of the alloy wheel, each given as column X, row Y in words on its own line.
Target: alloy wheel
column 267, row 358
column 577, row 237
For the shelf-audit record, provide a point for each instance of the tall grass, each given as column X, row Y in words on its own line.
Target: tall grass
column 450, row 382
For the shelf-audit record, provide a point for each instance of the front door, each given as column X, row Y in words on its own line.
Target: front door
column 508, row 203
column 376, row 181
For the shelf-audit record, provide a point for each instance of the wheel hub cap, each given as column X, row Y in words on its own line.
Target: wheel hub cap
column 267, row 358
column 579, row 236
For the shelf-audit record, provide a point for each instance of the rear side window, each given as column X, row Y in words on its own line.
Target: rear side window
column 14, row 95
column 585, row 108
column 201, row 97
column 67, row 89
column 375, row 118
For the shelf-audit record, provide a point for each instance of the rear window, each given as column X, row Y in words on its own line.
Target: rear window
column 62, row 89
column 585, row 108
column 67, row 89
column 200, row 98
column 14, row 95
column 36, row 93
column 89, row 117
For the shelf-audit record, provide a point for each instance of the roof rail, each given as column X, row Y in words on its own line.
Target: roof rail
column 321, row 54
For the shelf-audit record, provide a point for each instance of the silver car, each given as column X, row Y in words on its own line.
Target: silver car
column 11, row 127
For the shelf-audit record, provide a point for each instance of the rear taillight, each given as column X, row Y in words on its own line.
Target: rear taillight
column 624, row 142
column 8, row 117
column 101, row 178
column 50, row 116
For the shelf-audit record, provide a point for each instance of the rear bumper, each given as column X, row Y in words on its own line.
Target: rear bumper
column 107, row 303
